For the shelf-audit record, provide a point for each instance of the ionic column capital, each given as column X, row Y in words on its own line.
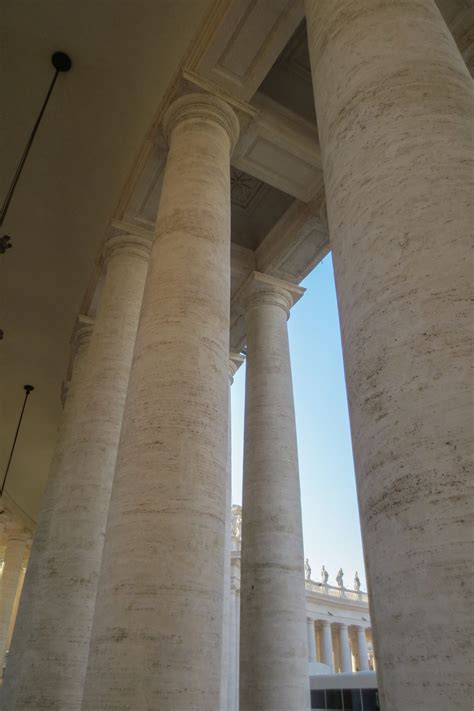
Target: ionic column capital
column 128, row 244
column 203, row 107
column 264, row 289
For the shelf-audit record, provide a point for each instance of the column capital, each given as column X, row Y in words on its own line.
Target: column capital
column 126, row 243
column 204, row 107
column 325, row 623
column 264, row 289
column 235, row 361
column 82, row 332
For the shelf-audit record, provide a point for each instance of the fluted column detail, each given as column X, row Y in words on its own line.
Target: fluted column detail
column 47, row 665
column 158, row 625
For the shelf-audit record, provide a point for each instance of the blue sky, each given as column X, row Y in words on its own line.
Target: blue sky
column 329, row 503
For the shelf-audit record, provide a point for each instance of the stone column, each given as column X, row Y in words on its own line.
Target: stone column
column 311, row 641
column 344, row 649
column 158, row 625
column 233, row 695
column 235, row 360
column 394, row 104
column 14, row 553
column 16, row 603
column 362, row 649
column 326, row 644
column 50, row 643
column 273, row 646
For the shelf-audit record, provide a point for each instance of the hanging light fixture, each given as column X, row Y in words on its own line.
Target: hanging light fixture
column 28, row 390
column 61, row 63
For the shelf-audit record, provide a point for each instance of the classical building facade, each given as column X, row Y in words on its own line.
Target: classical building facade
column 339, row 634
column 276, row 132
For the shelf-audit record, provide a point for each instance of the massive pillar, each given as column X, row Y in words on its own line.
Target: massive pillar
column 273, row 643
column 233, row 695
column 51, row 640
column 157, row 632
column 362, row 649
column 326, row 644
column 344, row 649
column 394, row 105
column 14, row 554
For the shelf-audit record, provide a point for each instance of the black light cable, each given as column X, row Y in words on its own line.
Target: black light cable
column 61, row 63
column 28, row 389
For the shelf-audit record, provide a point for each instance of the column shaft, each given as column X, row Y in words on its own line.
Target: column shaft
column 344, row 649
column 362, row 649
column 394, row 104
column 232, row 655
column 273, row 647
column 13, row 560
column 311, row 641
column 327, row 650
column 157, row 632
column 51, row 641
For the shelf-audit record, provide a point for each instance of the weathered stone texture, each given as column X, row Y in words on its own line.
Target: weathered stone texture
column 156, row 641
column 394, row 103
column 47, row 666
column 273, row 642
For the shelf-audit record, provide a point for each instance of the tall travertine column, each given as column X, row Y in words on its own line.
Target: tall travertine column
column 157, row 631
column 394, row 105
column 362, row 649
column 51, row 640
column 16, row 603
column 233, row 695
column 235, row 360
column 344, row 649
column 14, row 554
column 311, row 640
column 273, row 642
column 326, row 643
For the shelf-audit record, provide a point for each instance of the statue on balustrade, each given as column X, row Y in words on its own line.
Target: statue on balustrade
column 324, row 576
column 357, row 582
column 307, row 570
column 340, row 578
column 237, row 522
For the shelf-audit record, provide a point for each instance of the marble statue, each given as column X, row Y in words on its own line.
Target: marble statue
column 307, row 569
column 324, row 576
column 340, row 578
column 357, row 582
column 237, row 522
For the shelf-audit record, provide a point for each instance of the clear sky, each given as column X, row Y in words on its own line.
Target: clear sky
column 329, row 503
